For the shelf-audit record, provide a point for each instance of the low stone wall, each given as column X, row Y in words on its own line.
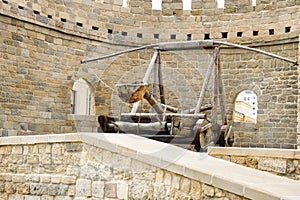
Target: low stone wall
column 282, row 162
column 118, row 166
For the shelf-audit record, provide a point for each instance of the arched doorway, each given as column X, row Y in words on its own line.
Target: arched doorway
column 245, row 107
column 81, row 98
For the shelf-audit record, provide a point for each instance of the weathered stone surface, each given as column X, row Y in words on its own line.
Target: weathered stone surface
column 110, row 190
column 98, row 189
column 83, row 188
column 271, row 164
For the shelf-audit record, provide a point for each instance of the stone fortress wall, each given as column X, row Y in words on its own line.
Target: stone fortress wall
column 43, row 43
column 102, row 166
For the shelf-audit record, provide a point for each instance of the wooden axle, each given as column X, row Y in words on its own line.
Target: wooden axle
column 199, row 116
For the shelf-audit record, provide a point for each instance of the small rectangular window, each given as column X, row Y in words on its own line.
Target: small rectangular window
column 139, row 35
column 287, row 29
column 239, row 34
column 36, row 12
column 255, row 33
column 95, row 28
column 156, row 35
column 189, row 37
column 206, row 36
column 271, row 31
column 224, row 34
column 173, row 36
column 79, row 24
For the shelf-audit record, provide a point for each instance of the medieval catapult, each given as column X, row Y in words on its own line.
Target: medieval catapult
column 166, row 123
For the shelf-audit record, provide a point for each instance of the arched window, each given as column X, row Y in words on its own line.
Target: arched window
column 245, row 107
column 81, row 98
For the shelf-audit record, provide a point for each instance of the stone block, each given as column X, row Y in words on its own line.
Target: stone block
column 23, row 188
column 18, row 178
column 32, row 178
column 208, row 190
column 185, row 184
column 38, row 189
column 83, row 188
column 122, row 190
column 136, row 187
column 273, row 165
column 56, row 179
column 98, row 189
column 167, row 178
column 196, row 189
column 17, row 150
column 110, row 190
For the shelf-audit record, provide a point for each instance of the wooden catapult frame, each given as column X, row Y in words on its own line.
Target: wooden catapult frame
column 135, row 92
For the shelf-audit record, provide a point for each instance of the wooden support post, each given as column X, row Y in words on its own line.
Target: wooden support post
column 160, row 81
column 146, row 78
column 152, row 101
column 206, row 81
column 150, row 67
column 155, row 79
column 215, row 128
column 221, row 93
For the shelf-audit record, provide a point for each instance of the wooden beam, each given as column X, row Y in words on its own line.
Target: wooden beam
column 150, row 67
column 221, row 94
column 214, row 120
column 199, row 116
column 196, row 44
column 119, row 53
column 206, row 81
column 145, row 79
column 130, row 126
column 256, row 50
column 160, row 81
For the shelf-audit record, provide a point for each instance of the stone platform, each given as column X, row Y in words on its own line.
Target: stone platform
column 120, row 166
